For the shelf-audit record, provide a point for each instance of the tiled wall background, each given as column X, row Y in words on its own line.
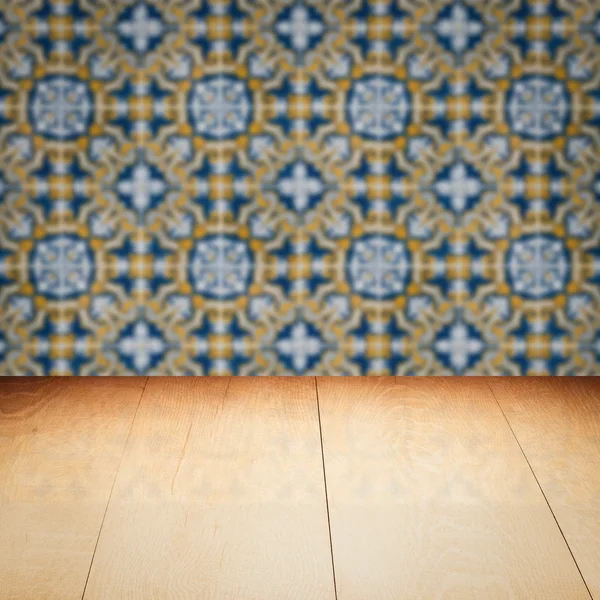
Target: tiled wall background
column 280, row 187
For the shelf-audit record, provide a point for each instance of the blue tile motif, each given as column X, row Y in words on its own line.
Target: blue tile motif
column 299, row 187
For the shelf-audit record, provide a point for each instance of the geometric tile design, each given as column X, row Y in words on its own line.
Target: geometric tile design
column 296, row 186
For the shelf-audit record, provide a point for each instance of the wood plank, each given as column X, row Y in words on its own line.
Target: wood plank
column 557, row 423
column 61, row 440
column 431, row 497
column 220, row 495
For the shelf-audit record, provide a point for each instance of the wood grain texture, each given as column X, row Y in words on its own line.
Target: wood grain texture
column 557, row 422
column 431, row 497
column 60, row 445
column 220, row 495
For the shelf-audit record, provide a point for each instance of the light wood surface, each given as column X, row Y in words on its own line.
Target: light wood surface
column 557, row 423
column 60, row 445
column 239, row 489
column 430, row 496
column 220, row 495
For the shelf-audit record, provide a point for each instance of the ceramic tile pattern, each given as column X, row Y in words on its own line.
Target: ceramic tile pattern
column 278, row 187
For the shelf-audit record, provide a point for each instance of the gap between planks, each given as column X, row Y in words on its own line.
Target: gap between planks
column 113, row 486
column 541, row 490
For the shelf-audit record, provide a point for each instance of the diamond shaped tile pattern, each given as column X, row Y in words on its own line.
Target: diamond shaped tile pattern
column 299, row 187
